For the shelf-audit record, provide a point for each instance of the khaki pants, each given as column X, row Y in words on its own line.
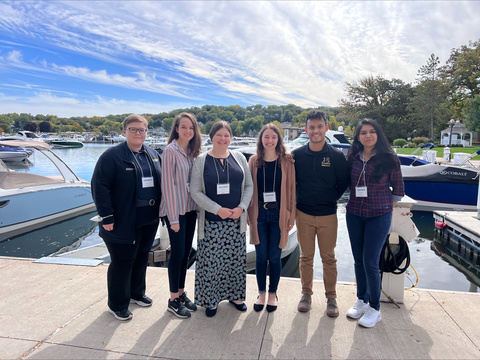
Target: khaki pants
column 325, row 229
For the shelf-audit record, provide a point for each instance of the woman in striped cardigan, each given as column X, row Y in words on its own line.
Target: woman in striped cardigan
column 177, row 207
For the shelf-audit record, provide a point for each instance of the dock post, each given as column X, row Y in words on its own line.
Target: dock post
column 478, row 199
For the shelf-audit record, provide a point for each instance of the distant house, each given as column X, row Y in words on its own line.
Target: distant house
column 292, row 132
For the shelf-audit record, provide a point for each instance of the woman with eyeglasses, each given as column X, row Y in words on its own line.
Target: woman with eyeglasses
column 177, row 208
column 271, row 213
column 221, row 186
column 126, row 191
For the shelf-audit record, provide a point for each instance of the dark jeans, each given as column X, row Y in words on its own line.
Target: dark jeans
column 180, row 244
column 367, row 237
column 268, row 251
column 128, row 268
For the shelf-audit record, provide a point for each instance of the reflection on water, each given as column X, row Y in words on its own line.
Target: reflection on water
column 68, row 235
column 461, row 254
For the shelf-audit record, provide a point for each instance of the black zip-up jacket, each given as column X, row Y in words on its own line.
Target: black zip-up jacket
column 322, row 177
column 114, row 184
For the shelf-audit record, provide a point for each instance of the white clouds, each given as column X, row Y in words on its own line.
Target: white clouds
column 47, row 103
column 269, row 52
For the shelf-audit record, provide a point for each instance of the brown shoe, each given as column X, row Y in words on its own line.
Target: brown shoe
column 332, row 308
column 305, row 303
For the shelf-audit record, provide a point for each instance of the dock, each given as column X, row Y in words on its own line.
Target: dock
column 460, row 231
column 52, row 311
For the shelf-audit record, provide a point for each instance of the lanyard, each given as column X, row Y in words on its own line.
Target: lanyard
column 274, row 176
column 227, row 165
column 140, row 166
column 363, row 173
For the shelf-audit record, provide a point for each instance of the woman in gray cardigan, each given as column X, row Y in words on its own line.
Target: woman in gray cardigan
column 221, row 185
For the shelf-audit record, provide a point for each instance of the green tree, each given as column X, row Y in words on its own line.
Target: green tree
column 427, row 106
column 167, row 124
column 463, row 73
column 472, row 114
column 4, row 128
column 45, row 126
column 237, row 128
column 30, row 126
column 382, row 100
column 300, row 119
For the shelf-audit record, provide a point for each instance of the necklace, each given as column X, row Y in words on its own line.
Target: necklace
column 223, row 165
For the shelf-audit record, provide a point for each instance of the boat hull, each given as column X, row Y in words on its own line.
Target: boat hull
column 66, row 144
column 436, row 186
column 13, row 156
column 30, row 208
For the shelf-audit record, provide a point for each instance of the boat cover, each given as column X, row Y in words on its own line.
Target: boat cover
column 441, row 173
column 13, row 180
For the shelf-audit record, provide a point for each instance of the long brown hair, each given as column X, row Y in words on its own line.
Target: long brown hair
column 195, row 143
column 280, row 149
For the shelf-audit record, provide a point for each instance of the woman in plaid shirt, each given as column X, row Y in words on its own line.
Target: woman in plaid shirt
column 376, row 184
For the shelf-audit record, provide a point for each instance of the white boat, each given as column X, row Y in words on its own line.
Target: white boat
column 334, row 138
column 162, row 241
column 29, row 201
column 66, row 143
column 9, row 154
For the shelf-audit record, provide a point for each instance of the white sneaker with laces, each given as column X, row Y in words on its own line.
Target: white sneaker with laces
column 370, row 318
column 357, row 310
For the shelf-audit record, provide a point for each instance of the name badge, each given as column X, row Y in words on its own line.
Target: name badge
column 360, row 191
column 188, row 187
column 147, row 182
column 223, row 189
column 269, row 197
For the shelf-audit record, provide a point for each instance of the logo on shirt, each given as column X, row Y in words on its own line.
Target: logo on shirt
column 326, row 161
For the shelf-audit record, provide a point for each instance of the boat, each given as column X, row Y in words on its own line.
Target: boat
column 66, row 143
column 441, row 186
column 11, row 154
column 414, row 160
column 290, row 248
column 337, row 139
column 23, row 135
column 29, row 201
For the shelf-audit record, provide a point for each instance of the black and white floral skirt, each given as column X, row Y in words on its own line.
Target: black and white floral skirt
column 221, row 266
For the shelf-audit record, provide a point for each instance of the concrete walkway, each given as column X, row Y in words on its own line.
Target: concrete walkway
column 53, row 311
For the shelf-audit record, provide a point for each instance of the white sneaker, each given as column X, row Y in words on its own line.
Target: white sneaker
column 370, row 318
column 357, row 310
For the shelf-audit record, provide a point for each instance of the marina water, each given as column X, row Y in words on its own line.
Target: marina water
column 438, row 267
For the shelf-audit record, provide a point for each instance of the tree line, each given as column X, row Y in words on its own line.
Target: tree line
column 404, row 110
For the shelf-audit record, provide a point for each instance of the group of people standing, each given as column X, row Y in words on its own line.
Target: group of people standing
column 221, row 192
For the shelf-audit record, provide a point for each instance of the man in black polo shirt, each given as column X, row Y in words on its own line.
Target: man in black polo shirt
column 322, row 176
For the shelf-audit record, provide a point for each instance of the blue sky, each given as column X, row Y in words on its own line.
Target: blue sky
column 76, row 58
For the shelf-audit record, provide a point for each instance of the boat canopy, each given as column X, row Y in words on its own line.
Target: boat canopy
column 38, row 145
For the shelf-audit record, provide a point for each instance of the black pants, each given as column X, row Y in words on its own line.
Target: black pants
column 128, row 268
column 181, row 244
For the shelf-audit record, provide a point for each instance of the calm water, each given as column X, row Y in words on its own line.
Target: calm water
column 438, row 266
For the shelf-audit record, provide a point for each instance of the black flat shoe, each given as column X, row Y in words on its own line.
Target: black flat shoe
column 272, row 308
column 211, row 312
column 258, row 307
column 240, row 307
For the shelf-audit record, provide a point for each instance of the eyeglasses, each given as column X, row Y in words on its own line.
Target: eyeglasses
column 135, row 130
